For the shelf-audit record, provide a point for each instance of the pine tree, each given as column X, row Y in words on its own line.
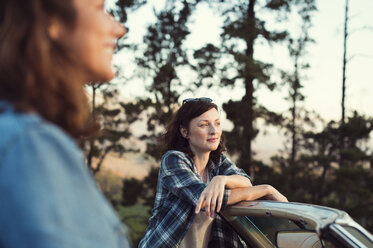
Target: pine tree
column 243, row 28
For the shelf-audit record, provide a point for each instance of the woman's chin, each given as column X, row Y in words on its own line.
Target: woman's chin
column 214, row 148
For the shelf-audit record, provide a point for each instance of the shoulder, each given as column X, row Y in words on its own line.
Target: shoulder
column 174, row 157
column 31, row 128
column 174, row 154
column 28, row 136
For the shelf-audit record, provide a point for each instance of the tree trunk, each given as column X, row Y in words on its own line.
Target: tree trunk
column 293, row 119
column 344, row 63
column 248, row 99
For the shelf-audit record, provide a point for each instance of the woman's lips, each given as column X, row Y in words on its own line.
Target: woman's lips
column 213, row 140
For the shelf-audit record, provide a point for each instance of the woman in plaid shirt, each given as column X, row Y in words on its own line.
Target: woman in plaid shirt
column 196, row 181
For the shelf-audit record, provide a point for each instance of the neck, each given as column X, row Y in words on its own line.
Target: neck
column 201, row 160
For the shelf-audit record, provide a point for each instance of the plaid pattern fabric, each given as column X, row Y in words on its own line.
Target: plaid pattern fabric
column 178, row 190
column 222, row 235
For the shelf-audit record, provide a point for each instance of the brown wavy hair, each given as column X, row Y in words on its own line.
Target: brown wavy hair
column 172, row 138
column 36, row 73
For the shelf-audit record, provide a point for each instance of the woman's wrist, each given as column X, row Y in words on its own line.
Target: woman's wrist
column 223, row 179
column 269, row 189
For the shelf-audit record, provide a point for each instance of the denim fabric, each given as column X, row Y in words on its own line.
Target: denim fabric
column 48, row 197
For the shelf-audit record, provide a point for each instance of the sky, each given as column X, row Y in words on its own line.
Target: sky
column 323, row 82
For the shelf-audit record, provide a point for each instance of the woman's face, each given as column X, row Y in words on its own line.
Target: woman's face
column 204, row 132
column 92, row 41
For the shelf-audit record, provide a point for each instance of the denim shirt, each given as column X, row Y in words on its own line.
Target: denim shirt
column 48, row 197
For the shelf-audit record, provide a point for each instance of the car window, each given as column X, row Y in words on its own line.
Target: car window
column 270, row 226
column 267, row 227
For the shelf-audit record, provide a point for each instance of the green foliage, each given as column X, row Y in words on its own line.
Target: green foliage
column 138, row 200
column 136, row 219
column 124, row 195
column 161, row 58
column 132, row 189
column 110, row 185
column 150, row 187
column 318, row 177
column 141, row 191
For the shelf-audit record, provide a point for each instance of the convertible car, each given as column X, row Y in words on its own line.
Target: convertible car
column 268, row 224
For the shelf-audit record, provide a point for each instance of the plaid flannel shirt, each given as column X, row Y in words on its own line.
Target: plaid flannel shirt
column 178, row 190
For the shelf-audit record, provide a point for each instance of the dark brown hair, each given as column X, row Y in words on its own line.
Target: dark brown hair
column 173, row 140
column 36, row 73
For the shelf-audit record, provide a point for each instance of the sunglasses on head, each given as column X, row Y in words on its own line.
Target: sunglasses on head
column 200, row 99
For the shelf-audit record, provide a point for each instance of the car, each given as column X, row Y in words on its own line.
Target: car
column 269, row 224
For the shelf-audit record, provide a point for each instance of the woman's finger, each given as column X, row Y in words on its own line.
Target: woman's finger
column 213, row 205
column 207, row 206
column 200, row 203
column 210, row 205
column 220, row 202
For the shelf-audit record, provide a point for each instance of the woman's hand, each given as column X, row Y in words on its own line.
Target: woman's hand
column 212, row 197
column 275, row 195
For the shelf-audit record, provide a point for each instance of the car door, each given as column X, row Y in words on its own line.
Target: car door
column 267, row 224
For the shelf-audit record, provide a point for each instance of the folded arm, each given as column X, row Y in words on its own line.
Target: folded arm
column 254, row 193
column 236, row 181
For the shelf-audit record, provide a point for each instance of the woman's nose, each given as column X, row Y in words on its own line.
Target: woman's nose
column 118, row 29
column 121, row 30
column 212, row 129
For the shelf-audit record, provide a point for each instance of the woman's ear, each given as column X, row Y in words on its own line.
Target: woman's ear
column 184, row 132
column 54, row 28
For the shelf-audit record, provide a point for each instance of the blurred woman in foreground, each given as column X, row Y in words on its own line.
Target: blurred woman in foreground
column 194, row 175
column 48, row 50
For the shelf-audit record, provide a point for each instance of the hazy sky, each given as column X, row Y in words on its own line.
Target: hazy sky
column 322, row 87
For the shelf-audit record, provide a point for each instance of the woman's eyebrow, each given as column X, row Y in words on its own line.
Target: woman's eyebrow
column 218, row 119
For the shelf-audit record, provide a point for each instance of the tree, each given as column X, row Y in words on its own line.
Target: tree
column 320, row 179
column 122, row 7
column 345, row 36
column 241, row 30
column 106, row 108
column 115, row 126
column 163, row 56
column 297, row 48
